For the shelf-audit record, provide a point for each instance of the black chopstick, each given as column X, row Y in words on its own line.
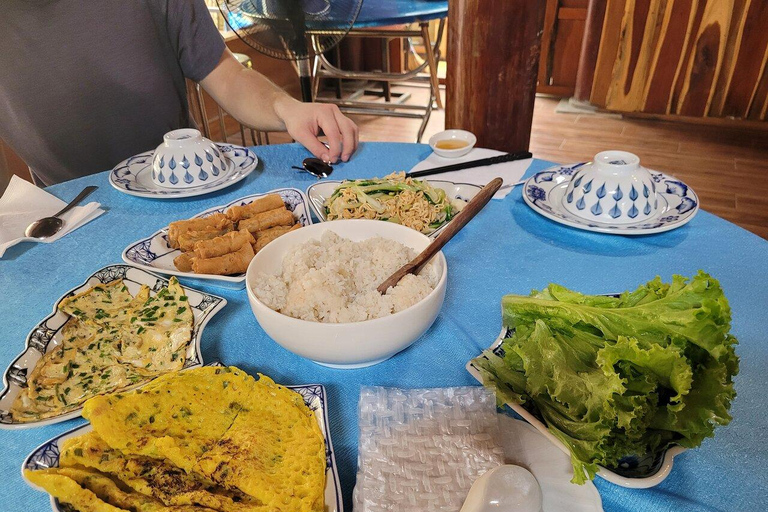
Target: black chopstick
column 509, row 157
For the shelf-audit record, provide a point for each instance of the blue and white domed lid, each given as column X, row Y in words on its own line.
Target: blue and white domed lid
column 612, row 194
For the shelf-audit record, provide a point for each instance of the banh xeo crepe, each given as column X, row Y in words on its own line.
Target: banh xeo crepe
column 152, row 477
column 618, row 376
column 112, row 341
column 94, row 492
column 204, row 439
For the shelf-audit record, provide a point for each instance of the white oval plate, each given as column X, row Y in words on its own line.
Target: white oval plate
column 678, row 203
column 134, row 175
column 525, row 447
column 637, row 472
column 322, row 190
column 154, row 254
column 46, row 335
column 47, row 454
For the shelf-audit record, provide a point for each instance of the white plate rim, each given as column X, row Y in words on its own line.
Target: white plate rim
column 591, row 485
column 619, row 229
column 316, row 204
column 332, row 480
column 240, row 279
column 209, row 312
column 224, row 182
column 606, row 474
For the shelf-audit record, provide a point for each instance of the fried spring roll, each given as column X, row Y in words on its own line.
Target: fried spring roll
column 188, row 240
column 231, row 263
column 266, row 236
column 221, row 245
column 264, row 204
column 217, row 222
column 183, row 262
column 266, row 220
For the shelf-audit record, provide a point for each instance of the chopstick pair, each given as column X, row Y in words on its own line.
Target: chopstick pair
column 509, row 157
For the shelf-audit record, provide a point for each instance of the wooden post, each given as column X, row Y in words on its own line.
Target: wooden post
column 493, row 60
column 593, row 30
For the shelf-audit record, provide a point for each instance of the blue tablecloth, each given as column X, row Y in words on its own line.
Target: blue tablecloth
column 507, row 249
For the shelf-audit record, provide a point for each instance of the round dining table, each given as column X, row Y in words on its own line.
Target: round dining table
column 507, row 248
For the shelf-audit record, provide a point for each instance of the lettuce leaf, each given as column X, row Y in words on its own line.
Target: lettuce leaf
column 617, row 376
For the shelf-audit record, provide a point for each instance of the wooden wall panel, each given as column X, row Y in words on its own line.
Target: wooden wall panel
column 708, row 52
column 561, row 40
column 700, row 58
column 661, row 82
column 754, row 36
column 608, row 50
column 759, row 107
column 733, row 46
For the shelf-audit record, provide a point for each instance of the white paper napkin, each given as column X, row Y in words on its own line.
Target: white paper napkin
column 511, row 172
column 23, row 203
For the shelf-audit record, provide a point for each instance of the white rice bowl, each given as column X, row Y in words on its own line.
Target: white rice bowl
column 339, row 321
column 334, row 280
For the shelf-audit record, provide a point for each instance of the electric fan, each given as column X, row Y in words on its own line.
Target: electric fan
column 291, row 29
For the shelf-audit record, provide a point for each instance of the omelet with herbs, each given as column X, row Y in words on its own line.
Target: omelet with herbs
column 207, row 439
column 111, row 342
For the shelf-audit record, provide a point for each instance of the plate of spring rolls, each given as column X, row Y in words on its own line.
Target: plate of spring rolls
column 217, row 244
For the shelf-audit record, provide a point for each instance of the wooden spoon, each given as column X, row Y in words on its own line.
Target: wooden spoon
column 454, row 226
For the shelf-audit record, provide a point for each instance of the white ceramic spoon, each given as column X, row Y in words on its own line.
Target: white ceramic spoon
column 509, row 488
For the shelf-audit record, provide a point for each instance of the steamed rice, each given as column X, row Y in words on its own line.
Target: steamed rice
column 334, row 280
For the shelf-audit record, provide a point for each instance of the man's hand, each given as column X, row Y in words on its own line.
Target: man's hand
column 304, row 121
column 256, row 102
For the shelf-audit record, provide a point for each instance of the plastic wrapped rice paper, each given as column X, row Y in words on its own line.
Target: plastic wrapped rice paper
column 421, row 449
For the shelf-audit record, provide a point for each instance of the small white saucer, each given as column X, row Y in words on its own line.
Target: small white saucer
column 678, row 203
column 134, row 175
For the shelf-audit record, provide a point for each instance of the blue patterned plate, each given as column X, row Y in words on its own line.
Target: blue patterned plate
column 47, row 454
column 46, row 335
column 322, row 190
column 678, row 203
column 154, row 254
column 134, row 175
column 635, row 472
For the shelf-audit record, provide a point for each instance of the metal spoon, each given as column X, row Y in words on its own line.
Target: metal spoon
column 49, row 226
column 315, row 167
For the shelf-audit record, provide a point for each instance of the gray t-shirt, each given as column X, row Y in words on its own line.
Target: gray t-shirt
column 85, row 84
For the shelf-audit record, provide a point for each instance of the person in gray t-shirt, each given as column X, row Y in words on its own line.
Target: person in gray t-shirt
column 85, row 84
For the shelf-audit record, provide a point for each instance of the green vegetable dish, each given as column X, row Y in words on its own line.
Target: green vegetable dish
column 395, row 198
column 619, row 376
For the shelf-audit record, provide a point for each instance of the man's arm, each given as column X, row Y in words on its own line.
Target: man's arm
column 255, row 101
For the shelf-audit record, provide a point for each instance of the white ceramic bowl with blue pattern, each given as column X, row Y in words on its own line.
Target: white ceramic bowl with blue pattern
column 614, row 188
column 186, row 159
column 546, row 193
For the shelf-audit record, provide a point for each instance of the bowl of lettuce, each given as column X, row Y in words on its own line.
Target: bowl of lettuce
column 622, row 383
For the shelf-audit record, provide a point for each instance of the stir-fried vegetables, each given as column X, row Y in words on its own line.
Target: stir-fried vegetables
column 394, row 198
